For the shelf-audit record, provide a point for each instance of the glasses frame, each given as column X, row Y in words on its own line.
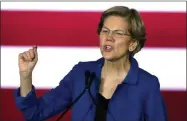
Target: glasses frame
column 113, row 33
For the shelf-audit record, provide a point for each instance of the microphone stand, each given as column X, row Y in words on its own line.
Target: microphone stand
column 89, row 91
column 58, row 119
column 87, row 75
column 88, row 82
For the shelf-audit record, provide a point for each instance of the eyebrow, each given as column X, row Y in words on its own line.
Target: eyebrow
column 114, row 30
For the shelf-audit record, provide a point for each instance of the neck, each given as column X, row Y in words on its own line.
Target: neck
column 117, row 67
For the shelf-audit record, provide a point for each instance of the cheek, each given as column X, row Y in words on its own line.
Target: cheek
column 122, row 45
column 101, row 40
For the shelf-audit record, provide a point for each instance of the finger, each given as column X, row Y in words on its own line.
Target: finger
column 35, row 49
column 28, row 55
column 31, row 52
column 35, row 52
column 34, row 46
column 23, row 56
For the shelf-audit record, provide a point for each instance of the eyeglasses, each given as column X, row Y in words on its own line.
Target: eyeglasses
column 115, row 33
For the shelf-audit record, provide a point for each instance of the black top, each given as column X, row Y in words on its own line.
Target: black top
column 101, row 110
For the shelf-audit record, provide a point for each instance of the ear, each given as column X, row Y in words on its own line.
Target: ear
column 133, row 45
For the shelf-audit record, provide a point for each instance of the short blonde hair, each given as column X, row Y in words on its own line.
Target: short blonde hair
column 137, row 29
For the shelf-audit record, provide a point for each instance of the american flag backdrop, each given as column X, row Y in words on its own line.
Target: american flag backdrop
column 65, row 34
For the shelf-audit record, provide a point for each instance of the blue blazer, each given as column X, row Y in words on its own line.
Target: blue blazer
column 138, row 98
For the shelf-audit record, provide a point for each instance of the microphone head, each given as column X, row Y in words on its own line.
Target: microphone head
column 87, row 75
column 92, row 76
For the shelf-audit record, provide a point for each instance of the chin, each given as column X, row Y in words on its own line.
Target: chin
column 109, row 57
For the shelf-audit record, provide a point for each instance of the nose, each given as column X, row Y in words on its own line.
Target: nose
column 110, row 37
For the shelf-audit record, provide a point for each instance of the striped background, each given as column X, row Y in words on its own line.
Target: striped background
column 66, row 34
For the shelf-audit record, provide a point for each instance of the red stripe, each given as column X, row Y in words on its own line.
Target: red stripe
column 175, row 102
column 79, row 28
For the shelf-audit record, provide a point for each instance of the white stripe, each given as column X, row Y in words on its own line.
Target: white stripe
column 94, row 6
column 169, row 65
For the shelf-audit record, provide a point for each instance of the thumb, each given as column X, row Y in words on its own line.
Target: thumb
column 35, row 48
column 35, row 52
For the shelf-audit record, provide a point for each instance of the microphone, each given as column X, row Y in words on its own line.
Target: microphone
column 87, row 86
column 87, row 77
column 92, row 76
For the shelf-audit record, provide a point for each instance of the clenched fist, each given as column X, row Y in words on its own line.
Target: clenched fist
column 27, row 60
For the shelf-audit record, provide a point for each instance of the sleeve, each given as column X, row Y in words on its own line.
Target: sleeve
column 155, row 107
column 48, row 105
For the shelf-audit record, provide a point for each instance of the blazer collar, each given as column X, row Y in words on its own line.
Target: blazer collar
column 132, row 76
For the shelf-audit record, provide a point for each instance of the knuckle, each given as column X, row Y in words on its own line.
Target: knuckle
column 27, row 53
column 31, row 51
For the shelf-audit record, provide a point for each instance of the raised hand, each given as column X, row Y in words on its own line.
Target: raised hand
column 27, row 60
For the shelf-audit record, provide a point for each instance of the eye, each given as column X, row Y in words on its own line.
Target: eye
column 104, row 31
column 119, row 33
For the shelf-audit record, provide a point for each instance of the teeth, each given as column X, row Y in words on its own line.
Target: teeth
column 108, row 47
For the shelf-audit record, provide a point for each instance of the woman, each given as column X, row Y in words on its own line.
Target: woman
column 120, row 91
